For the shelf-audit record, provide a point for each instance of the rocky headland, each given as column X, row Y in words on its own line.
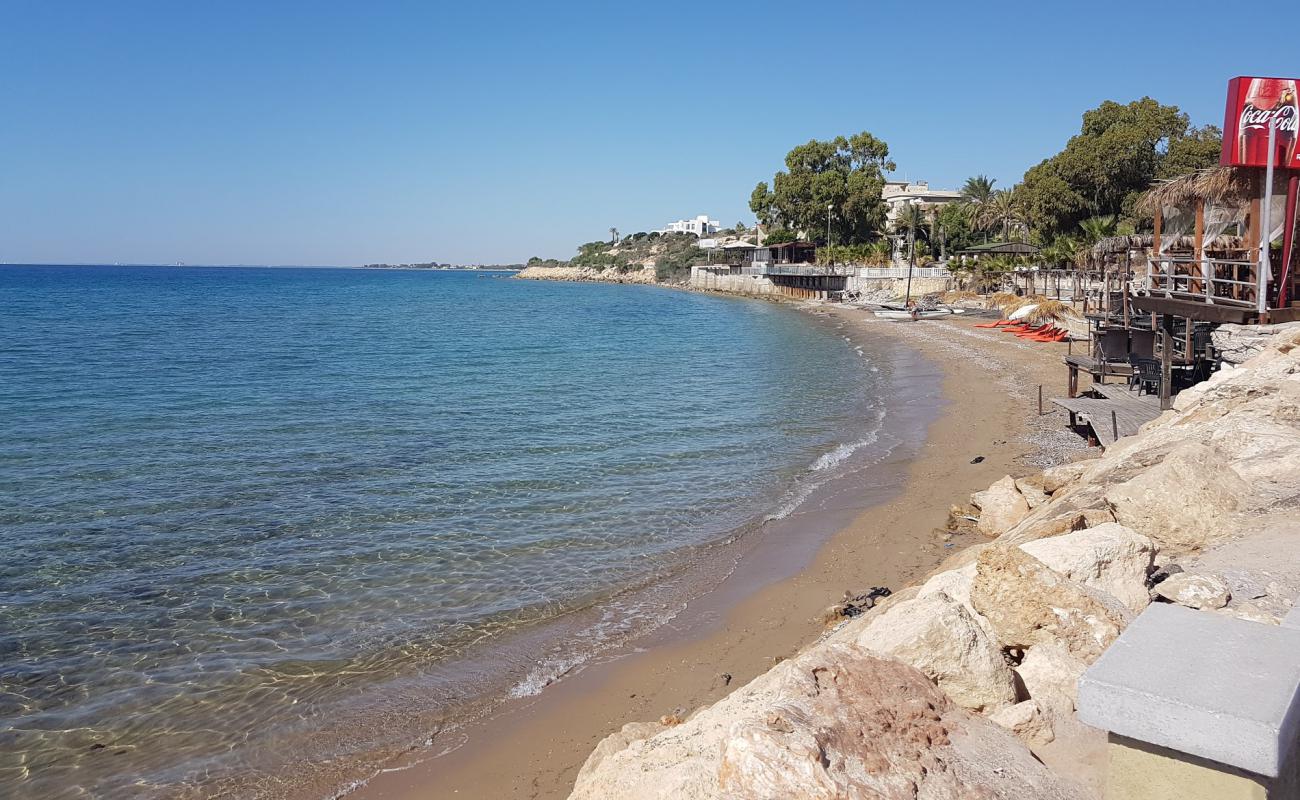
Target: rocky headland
column 964, row 685
column 638, row 274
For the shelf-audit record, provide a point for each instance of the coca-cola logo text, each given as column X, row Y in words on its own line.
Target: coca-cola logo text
column 1284, row 117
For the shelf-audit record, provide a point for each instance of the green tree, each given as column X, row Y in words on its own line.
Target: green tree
column 1119, row 150
column 1197, row 150
column 740, row 227
column 846, row 174
column 955, row 226
column 779, row 236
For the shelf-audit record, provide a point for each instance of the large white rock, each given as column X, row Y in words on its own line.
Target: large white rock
column 1110, row 557
column 834, row 723
column 1001, row 507
column 1028, row 604
column 937, row 635
column 1027, row 721
column 1194, row 591
column 956, row 584
column 1185, row 502
column 1050, row 674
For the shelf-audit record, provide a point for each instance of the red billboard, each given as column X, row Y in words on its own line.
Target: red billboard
column 1255, row 105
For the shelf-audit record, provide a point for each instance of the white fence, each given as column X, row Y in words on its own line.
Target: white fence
column 901, row 272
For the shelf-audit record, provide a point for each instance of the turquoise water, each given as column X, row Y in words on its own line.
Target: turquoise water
column 241, row 505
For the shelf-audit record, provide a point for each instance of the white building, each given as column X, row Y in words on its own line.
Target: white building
column 700, row 226
column 898, row 194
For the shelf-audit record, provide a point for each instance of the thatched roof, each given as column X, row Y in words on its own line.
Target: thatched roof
column 1115, row 245
column 1218, row 185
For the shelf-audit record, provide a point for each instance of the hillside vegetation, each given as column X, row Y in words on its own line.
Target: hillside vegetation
column 670, row 254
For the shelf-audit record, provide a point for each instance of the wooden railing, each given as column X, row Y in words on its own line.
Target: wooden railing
column 1216, row 281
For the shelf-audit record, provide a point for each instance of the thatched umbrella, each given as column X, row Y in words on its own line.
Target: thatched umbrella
column 1005, row 302
column 1046, row 311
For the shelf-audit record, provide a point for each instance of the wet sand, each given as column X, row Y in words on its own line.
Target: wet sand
column 769, row 607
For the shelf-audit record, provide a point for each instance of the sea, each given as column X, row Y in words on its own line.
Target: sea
column 264, row 528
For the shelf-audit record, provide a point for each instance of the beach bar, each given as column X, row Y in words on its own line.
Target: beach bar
column 1221, row 252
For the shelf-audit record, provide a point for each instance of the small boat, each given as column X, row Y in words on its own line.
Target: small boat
column 905, row 313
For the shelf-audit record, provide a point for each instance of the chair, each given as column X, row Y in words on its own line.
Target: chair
column 1113, row 345
column 1143, row 343
column 1147, row 374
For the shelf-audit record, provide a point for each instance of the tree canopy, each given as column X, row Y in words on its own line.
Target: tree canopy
column 1118, row 152
column 846, row 174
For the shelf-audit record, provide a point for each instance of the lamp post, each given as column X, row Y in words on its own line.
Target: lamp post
column 829, row 253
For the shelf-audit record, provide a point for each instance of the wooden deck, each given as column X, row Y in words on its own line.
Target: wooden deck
column 1119, row 412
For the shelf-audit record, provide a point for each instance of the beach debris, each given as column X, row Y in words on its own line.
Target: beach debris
column 977, row 460
column 722, row 679
column 1163, row 573
column 1194, row 591
column 676, row 718
column 854, row 605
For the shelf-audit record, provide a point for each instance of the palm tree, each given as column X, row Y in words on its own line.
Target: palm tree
column 976, row 192
column 1003, row 210
column 1061, row 251
column 613, row 235
column 911, row 221
column 1097, row 228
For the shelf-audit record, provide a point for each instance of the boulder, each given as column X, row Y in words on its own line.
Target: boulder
column 1185, row 502
column 1001, row 507
column 1237, row 344
column 956, row 584
column 1028, row 603
column 1057, row 478
column 1249, row 612
column 1050, row 675
column 1194, row 591
column 937, row 635
column 834, row 723
column 1032, row 492
column 1109, row 557
column 1027, row 721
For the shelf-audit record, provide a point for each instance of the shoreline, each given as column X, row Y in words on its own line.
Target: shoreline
column 762, row 613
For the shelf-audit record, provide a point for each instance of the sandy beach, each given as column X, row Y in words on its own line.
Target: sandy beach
column 986, row 426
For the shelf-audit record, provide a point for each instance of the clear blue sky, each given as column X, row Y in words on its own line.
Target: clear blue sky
column 341, row 133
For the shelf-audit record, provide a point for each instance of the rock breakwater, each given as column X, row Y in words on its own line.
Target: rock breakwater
column 965, row 686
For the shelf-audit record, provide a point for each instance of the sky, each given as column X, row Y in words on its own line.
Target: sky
column 348, row 133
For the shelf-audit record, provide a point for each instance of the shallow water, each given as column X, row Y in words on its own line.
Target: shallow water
column 235, row 501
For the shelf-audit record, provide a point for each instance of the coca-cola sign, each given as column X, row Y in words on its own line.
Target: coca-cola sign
column 1254, row 106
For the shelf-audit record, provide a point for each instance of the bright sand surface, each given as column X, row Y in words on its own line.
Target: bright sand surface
column 769, row 607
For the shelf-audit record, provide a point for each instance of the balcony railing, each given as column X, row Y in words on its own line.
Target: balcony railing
column 1216, row 281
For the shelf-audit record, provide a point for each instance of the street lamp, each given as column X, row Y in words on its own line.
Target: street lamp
column 830, row 257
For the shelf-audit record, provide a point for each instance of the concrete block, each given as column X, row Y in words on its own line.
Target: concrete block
column 1292, row 618
column 1204, row 684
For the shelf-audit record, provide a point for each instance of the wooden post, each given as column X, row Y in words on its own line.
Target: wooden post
column 1114, row 426
column 1040, row 399
column 1166, row 361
